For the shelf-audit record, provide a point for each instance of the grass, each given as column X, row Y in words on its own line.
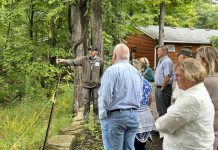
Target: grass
column 18, row 118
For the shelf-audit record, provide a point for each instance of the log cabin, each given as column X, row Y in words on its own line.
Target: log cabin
column 144, row 44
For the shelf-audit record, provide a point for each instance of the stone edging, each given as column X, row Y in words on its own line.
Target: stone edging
column 68, row 136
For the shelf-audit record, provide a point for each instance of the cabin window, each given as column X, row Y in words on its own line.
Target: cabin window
column 171, row 48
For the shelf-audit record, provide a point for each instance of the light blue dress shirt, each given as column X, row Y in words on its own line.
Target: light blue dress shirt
column 121, row 88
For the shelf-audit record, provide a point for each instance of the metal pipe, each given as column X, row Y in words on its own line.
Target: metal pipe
column 155, row 56
column 51, row 112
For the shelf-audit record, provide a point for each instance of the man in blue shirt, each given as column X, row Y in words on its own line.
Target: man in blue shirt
column 119, row 98
column 163, row 80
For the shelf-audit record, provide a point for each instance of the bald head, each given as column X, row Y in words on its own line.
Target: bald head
column 121, row 52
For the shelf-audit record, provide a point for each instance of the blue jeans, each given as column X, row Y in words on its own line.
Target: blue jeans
column 119, row 130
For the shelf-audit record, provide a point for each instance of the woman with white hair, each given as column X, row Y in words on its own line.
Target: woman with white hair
column 147, row 72
column 188, row 123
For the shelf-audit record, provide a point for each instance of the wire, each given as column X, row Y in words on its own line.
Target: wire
column 53, row 101
column 14, row 145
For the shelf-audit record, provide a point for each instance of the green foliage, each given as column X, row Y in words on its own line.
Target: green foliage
column 27, row 67
column 214, row 41
column 207, row 16
column 108, row 48
column 181, row 15
column 33, row 33
column 121, row 17
column 26, row 72
column 16, row 119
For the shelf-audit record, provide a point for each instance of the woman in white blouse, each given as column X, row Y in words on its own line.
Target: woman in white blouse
column 188, row 123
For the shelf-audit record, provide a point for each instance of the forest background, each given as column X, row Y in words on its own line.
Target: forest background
column 34, row 33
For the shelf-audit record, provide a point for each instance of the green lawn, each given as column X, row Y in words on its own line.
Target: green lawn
column 22, row 127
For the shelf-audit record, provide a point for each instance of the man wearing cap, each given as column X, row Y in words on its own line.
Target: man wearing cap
column 92, row 70
column 182, row 55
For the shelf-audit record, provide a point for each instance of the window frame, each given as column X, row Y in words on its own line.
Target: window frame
column 171, row 45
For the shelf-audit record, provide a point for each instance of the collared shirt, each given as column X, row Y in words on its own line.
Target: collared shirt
column 121, row 88
column 177, row 92
column 164, row 68
column 188, row 123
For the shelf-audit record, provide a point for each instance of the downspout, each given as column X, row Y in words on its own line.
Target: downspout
column 155, row 56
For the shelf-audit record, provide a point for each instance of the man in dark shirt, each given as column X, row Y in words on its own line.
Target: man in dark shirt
column 92, row 70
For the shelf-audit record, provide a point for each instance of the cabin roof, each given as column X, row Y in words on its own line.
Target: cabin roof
column 180, row 35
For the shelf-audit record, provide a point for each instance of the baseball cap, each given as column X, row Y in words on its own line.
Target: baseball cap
column 92, row 48
column 186, row 52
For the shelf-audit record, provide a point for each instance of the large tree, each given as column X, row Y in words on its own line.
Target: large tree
column 161, row 23
column 96, row 23
column 78, row 21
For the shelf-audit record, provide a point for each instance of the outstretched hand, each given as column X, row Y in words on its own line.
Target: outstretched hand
column 59, row 61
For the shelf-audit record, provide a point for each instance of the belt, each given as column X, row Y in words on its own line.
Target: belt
column 129, row 109
column 159, row 86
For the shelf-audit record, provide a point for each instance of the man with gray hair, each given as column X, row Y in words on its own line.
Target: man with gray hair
column 163, row 80
column 119, row 98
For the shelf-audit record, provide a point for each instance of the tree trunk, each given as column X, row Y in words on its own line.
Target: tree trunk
column 79, row 30
column 115, row 7
column 161, row 24
column 52, row 40
column 97, row 25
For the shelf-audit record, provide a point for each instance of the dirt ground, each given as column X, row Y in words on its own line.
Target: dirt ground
column 92, row 141
column 156, row 144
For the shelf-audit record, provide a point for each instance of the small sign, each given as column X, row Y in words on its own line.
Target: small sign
column 97, row 64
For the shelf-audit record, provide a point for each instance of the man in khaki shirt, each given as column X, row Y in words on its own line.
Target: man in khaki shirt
column 92, row 70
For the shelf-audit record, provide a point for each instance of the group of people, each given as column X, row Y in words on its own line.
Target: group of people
column 189, row 122
column 188, row 113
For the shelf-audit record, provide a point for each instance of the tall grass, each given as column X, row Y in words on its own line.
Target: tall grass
column 16, row 119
